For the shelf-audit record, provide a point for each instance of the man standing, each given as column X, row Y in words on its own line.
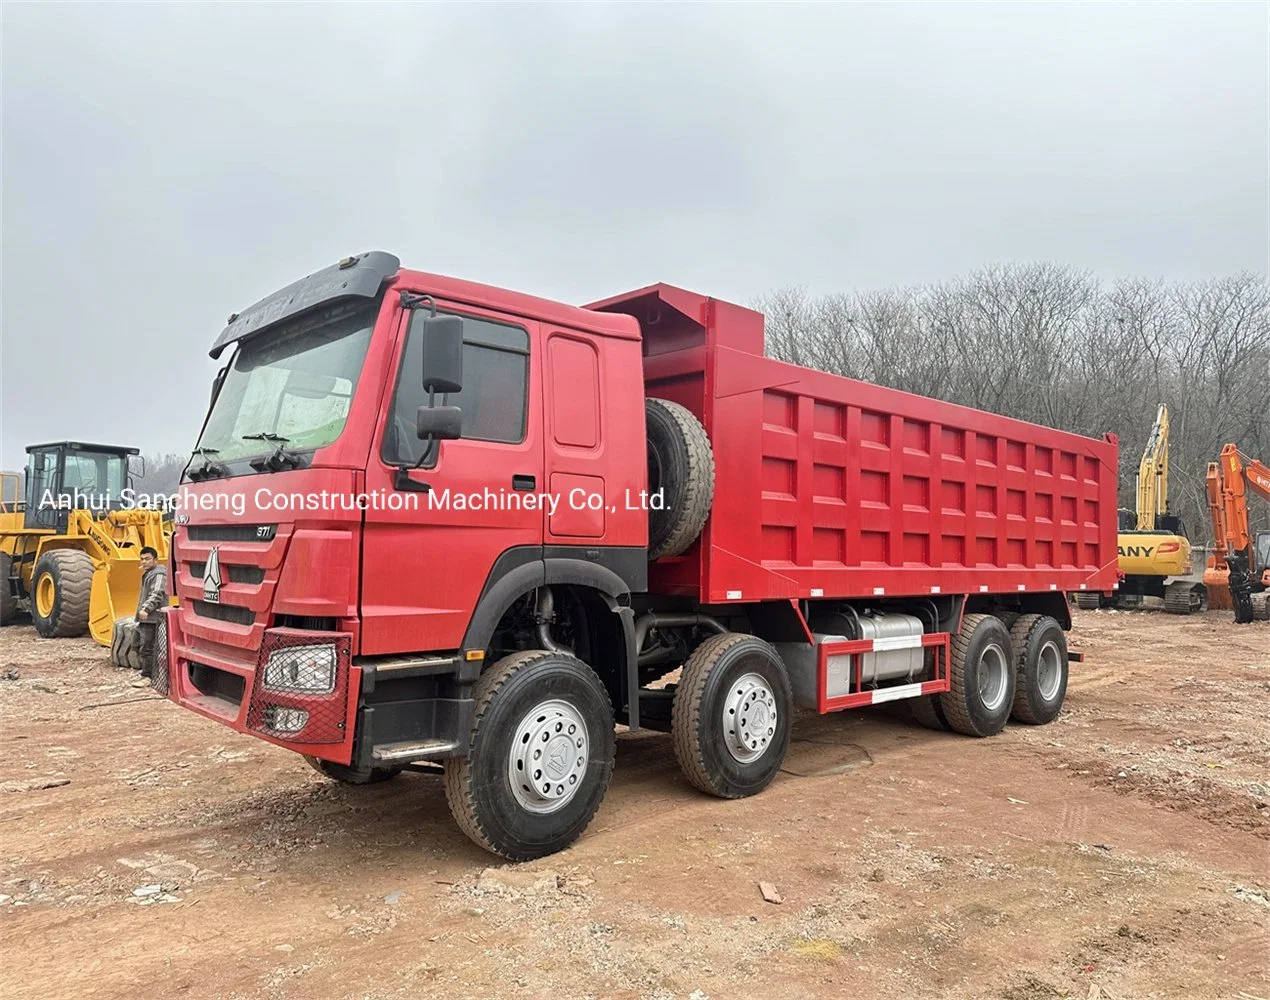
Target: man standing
column 154, row 596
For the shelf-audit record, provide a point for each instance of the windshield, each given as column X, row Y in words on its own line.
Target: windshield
column 294, row 383
column 1263, row 551
column 90, row 479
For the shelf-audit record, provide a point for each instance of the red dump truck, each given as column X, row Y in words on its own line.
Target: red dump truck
column 435, row 524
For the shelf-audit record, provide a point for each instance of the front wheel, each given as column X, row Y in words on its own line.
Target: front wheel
column 540, row 758
column 61, row 587
column 347, row 775
column 732, row 715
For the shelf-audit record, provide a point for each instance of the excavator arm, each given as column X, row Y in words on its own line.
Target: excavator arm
column 1153, row 475
column 1229, row 480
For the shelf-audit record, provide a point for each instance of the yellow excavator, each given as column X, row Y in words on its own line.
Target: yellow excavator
column 1153, row 549
column 70, row 546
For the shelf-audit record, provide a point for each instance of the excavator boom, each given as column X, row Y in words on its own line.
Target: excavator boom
column 1234, row 559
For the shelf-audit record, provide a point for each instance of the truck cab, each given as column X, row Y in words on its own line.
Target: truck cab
column 320, row 537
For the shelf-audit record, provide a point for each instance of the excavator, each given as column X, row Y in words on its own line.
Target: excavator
column 1240, row 562
column 1152, row 543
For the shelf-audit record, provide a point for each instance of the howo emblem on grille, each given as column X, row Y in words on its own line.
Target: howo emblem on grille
column 211, row 577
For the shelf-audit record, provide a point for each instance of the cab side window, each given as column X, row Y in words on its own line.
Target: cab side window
column 493, row 398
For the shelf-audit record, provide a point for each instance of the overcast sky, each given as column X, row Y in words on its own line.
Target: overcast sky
column 166, row 165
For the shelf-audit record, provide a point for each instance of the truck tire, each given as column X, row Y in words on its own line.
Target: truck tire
column 1181, row 597
column 928, row 712
column 1088, row 602
column 540, row 757
column 61, row 588
column 732, row 715
column 1008, row 618
column 120, row 641
column 681, row 468
column 1040, row 664
column 982, row 677
column 346, row 775
column 8, row 603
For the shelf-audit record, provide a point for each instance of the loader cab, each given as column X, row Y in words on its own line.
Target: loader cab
column 71, row 475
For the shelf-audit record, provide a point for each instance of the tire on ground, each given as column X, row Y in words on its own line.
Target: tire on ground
column 71, row 572
column 120, row 640
column 8, row 603
column 681, row 467
column 732, row 715
column 540, row 756
column 1040, row 665
column 982, row 677
column 347, row 775
column 928, row 712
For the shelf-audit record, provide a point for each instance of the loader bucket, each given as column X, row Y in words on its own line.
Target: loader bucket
column 1218, row 583
column 116, row 588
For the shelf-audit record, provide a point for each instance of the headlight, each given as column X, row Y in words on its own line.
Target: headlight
column 301, row 669
column 287, row 720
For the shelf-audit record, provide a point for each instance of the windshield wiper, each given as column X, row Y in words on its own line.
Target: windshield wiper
column 210, row 469
column 279, row 458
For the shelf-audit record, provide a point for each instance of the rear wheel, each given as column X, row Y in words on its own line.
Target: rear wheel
column 929, row 713
column 540, row 758
column 8, row 603
column 732, row 715
column 347, row 775
column 1185, row 598
column 1040, row 663
column 981, row 677
column 61, row 588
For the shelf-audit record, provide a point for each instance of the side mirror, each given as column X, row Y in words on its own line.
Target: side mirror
column 443, row 354
column 137, row 466
column 440, row 423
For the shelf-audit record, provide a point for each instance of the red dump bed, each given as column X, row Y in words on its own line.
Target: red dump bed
column 830, row 487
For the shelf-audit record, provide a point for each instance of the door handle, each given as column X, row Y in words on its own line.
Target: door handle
column 524, row 482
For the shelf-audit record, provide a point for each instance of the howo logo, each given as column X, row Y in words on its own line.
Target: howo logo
column 1136, row 550
column 212, row 578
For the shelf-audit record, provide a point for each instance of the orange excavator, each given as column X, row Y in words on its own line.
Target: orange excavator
column 1239, row 561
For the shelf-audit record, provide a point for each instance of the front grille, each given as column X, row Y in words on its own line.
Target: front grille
column 237, row 574
column 224, row 612
column 160, row 680
column 230, row 532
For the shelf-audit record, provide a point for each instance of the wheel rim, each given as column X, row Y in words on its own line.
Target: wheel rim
column 548, row 757
column 1049, row 671
column 993, row 682
column 750, row 718
column 45, row 592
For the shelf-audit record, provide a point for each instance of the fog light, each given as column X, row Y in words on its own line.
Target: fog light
column 301, row 669
column 287, row 720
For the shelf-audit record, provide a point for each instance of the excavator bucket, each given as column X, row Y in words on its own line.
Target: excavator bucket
column 1218, row 583
column 116, row 588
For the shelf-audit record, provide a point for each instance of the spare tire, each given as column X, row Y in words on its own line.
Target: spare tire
column 121, row 641
column 681, row 472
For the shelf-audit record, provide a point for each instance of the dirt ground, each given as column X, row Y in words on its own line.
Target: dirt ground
column 1124, row 847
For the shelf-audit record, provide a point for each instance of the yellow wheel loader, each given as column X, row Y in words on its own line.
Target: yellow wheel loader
column 1154, row 552
column 70, row 546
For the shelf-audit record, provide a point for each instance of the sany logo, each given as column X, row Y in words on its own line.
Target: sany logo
column 1136, row 550
column 211, row 577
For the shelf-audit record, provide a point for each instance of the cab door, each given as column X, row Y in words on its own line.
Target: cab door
column 429, row 547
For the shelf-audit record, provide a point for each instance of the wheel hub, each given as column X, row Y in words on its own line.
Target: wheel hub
column 749, row 718
column 548, row 757
column 1049, row 671
column 44, row 593
column 993, row 677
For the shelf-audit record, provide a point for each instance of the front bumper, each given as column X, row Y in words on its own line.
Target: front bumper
column 227, row 684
